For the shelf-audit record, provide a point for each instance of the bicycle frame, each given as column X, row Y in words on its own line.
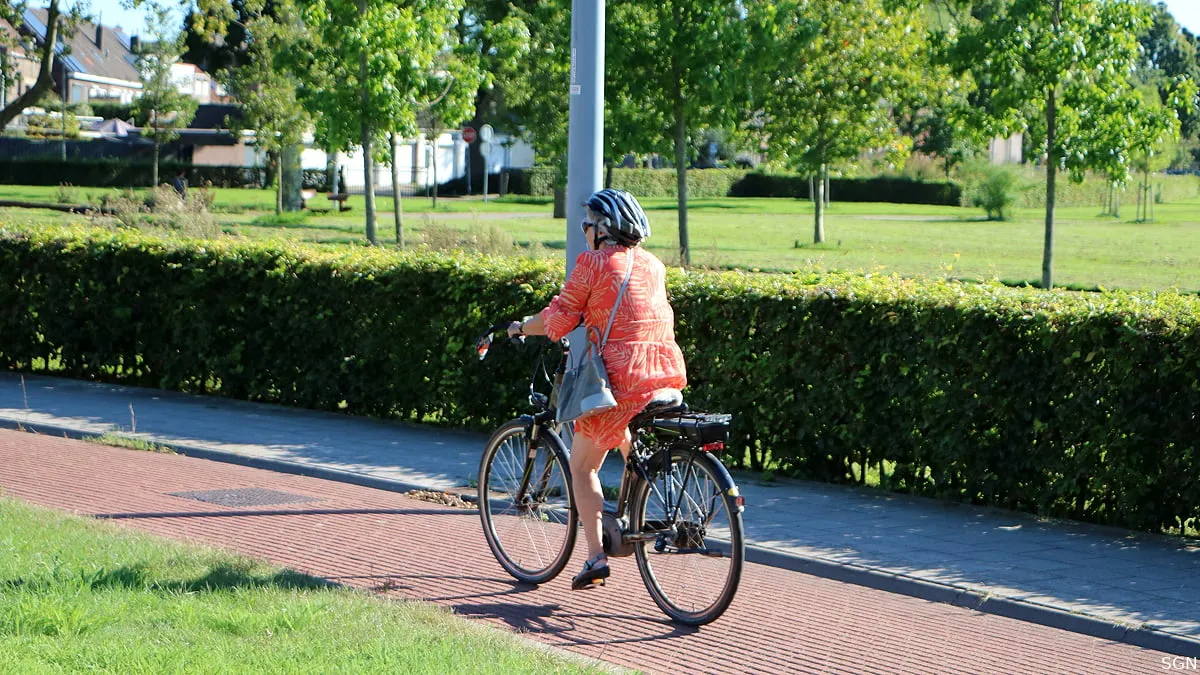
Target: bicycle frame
column 640, row 465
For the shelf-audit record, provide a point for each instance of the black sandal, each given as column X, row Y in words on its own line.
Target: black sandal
column 592, row 574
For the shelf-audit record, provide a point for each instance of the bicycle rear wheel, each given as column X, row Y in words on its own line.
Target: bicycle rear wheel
column 525, row 502
column 693, row 566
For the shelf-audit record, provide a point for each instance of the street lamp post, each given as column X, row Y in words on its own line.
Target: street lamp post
column 585, row 139
column 585, row 133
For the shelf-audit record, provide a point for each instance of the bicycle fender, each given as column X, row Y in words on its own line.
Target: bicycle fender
column 728, row 488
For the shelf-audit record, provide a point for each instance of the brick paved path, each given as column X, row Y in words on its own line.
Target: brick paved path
column 780, row 622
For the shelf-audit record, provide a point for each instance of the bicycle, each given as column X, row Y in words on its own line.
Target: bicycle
column 678, row 511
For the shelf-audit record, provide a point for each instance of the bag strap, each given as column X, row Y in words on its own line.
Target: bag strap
column 621, row 294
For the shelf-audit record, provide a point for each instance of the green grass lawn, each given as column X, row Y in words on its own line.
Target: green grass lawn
column 1091, row 250
column 78, row 595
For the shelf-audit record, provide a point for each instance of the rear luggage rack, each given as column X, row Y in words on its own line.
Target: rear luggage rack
column 699, row 428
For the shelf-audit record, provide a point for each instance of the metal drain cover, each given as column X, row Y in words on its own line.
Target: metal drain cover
column 244, row 497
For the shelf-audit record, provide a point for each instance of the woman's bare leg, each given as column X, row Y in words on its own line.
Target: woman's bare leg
column 586, row 460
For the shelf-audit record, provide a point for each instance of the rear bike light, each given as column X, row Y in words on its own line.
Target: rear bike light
column 713, row 447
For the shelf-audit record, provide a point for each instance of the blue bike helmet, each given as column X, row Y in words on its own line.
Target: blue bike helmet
column 627, row 223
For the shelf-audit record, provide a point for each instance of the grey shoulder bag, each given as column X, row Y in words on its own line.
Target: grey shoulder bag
column 584, row 389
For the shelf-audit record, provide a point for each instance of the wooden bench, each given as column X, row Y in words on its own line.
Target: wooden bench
column 340, row 198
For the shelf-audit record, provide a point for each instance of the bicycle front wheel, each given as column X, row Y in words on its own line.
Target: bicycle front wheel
column 525, row 502
column 693, row 564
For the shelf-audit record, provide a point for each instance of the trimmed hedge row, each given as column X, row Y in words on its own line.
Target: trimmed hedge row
column 122, row 173
column 1059, row 403
column 702, row 183
column 1094, row 190
column 710, row 183
column 894, row 189
column 739, row 183
column 536, row 181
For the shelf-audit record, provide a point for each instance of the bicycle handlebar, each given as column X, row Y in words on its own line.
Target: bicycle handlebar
column 540, row 401
column 484, row 342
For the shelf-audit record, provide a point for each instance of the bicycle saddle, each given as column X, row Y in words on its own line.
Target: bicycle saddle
column 664, row 400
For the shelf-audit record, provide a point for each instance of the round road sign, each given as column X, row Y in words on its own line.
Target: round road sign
column 468, row 134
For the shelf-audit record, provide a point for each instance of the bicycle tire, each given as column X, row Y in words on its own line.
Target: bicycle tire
column 667, row 566
column 531, row 539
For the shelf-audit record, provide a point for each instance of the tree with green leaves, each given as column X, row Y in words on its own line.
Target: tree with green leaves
column 262, row 82
column 1154, row 148
column 672, row 67
column 1058, row 70
column 217, row 33
column 368, row 70
column 1169, row 56
column 161, row 103
column 532, row 76
column 832, row 96
column 59, row 25
column 448, row 98
column 492, row 34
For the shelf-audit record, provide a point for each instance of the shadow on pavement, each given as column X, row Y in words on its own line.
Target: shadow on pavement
column 549, row 619
column 285, row 512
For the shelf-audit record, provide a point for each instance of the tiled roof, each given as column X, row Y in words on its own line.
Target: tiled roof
column 112, row 58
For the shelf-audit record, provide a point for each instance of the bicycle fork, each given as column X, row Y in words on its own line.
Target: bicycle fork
column 523, row 499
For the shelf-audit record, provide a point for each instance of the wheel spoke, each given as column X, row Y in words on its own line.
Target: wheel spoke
column 529, row 535
column 693, row 569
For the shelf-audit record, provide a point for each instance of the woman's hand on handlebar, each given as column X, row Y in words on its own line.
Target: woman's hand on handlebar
column 514, row 329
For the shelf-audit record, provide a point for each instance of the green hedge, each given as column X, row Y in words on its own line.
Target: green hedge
column 121, row 173
column 702, row 183
column 710, row 183
column 893, row 189
column 537, row 181
column 1082, row 405
column 1094, row 190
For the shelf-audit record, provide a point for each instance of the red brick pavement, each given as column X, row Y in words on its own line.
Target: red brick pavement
column 781, row 621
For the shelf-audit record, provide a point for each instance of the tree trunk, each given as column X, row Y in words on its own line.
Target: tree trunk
column 819, row 207
column 369, row 184
column 1149, row 190
column 397, row 208
column 685, row 254
column 437, row 133
column 368, row 160
column 1051, row 168
column 154, row 169
column 560, row 202
column 279, row 185
column 1051, row 176
column 608, row 173
column 45, row 78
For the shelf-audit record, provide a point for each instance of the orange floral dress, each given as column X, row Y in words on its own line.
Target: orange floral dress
column 641, row 355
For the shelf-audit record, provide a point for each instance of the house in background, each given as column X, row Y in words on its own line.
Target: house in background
column 1007, row 150
column 208, row 141
column 25, row 66
column 190, row 80
column 100, row 66
column 416, row 158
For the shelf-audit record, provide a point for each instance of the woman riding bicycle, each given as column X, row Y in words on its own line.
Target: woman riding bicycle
column 641, row 355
